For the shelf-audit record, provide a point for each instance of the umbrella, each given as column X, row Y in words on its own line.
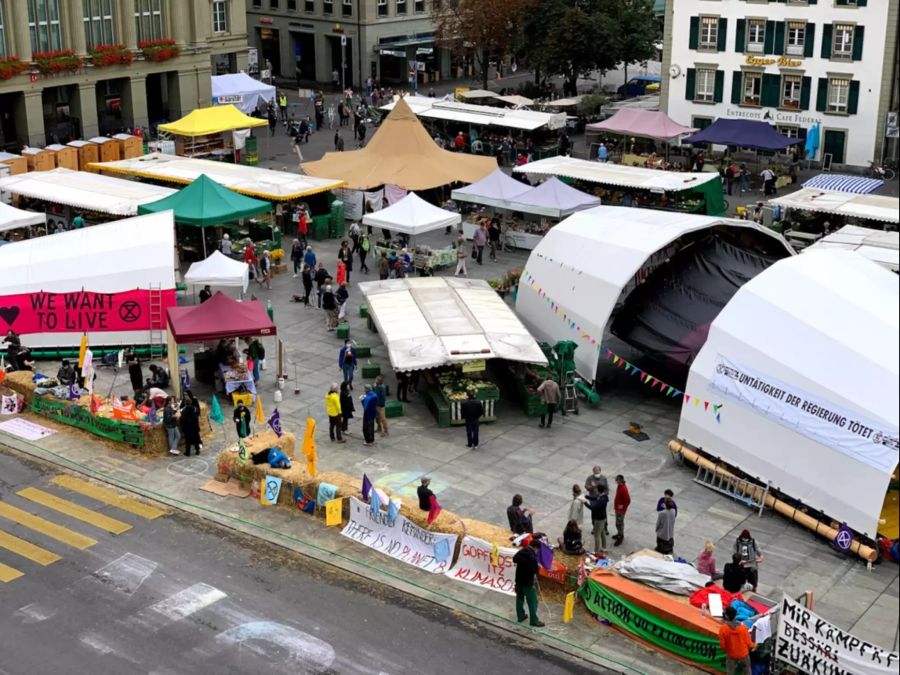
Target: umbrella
column 812, row 141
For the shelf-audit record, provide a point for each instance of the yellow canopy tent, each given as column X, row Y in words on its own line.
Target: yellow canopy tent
column 206, row 121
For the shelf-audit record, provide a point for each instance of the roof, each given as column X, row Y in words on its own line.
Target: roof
column 563, row 102
column 616, row 174
column 555, row 199
column 108, row 258
column 219, row 270
column 12, row 218
column 478, row 93
column 744, row 134
column 583, row 264
column 412, row 215
column 205, row 202
column 867, row 207
column 203, row 121
column 495, row 189
column 241, row 90
column 486, row 115
column 843, row 183
column 85, row 190
column 643, row 123
column 249, row 180
column 428, row 322
column 879, row 247
column 401, row 153
column 516, row 100
column 217, row 318
column 838, row 321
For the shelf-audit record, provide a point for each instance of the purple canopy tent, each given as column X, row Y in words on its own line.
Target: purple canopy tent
column 553, row 198
column 743, row 134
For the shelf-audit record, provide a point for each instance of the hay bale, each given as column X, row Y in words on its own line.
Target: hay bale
column 20, row 382
column 228, row 467
column 489, row 532
column 264, row 440
column 447, row 522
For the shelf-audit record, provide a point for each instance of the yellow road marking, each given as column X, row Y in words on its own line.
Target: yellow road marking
column 26, row 549
column 8, row 573
column 107, row 496
column 74, row 510
column 45, row 527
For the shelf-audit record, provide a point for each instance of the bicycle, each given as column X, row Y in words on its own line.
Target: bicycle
column 881, row 172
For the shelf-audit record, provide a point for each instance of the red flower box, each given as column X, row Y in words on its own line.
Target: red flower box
column 159, row 50
column 55, row 62
column 11, row 66
column 103, row 56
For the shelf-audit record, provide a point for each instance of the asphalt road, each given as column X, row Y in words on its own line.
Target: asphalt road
column 176, row 595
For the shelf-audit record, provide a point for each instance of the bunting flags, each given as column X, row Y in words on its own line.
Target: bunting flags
column 215, row 411
column 274, row 421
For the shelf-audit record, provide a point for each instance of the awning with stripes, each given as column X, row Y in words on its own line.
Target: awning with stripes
column 843, row 183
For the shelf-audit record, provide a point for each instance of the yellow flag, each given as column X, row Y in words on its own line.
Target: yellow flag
column 82, row 350
column 569, row 607
column 260, row 415
column 495, row 554
column 309, row 448
column 333, row 512
column 311, row 468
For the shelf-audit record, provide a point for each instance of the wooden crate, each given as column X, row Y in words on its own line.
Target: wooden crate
column 110, row 148
column 87, row 153
column 66, row 157
column 130, row 146
column 39, row 159
column 16, row 163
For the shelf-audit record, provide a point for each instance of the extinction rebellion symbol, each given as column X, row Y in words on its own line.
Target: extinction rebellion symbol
column 129, row 311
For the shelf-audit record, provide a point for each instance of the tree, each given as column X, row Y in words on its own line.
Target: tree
column 483, row 29
column 637, row 33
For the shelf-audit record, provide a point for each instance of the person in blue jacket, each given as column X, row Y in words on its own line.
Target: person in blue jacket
column 278, row 460
column 310, row 257
column 347, row 362
column 370, row 410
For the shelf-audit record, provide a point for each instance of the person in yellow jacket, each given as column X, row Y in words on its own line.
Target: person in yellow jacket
column 333, row 408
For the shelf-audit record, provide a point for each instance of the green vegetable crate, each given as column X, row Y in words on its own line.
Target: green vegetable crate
column 343, row 331
column 393, row 409
column 364, row 311
column 371, row 370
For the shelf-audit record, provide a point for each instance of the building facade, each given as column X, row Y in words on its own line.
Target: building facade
column 57, row 97
column 792, row 63
column 347, row 41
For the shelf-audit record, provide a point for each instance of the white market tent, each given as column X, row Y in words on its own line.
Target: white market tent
column 428, row 322
column 879, row 247
column 84, row 190
column 516, row 100
column 823, row 327
column 496, row 189
column 868, row 207
column 12, row 218
column 485, row 115
column 241, row 91
column 616, row 174
column 475, row 94
column 249, row 180
column 412, row 215
column 555, row 199
column 219, row 270
column 584, row 264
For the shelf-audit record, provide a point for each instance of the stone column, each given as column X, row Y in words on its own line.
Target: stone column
column 15, row 15
column 73, row 26
column 201, row 27
column 134, row 101
column 29, row 114
column 125, row 16
column 85, row 108
column 178, row 21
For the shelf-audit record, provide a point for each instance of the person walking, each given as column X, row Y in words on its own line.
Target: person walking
column 602, row 153
column 347, row 408
column 526, row 563
column 369, row 404
column 744, row 173
column 257, row 352
column 665, row 528
column 347, row 361
column 768, row 179
column 310, row 256
column 461, row 255
column 620, row 505
column 190, row 423
column 345, row 255
column 265, row 270
column 273, row 120
column 296, row 256
column 471, row 410
column 735, row 640
column 333, row 410
column 170, row 422
column 549, row 393
column 479, row 239
column 493, row 234
column 241, row 419
column 598, row 500
column 746, row 547
column 576, row 506
column 362, row 250
column 380, row 417
column 306, row 276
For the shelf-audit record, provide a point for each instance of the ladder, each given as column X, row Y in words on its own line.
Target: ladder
column 739, row 489
column 157, row 335
column 570, row 398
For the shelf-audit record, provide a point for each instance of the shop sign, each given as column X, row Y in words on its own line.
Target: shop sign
column 81, row 418
column 474, row 366
column 774, row 115
column 227, row 99
column 781, row 61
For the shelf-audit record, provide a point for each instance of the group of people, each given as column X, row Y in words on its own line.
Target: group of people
column 181, row 420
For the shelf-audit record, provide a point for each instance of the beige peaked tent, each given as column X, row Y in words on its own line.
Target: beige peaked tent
column 401, row 153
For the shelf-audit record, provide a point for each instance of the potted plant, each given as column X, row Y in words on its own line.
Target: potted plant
column 56, row 62
column 11, row 66
column 162, row 49
column 103, row 56
column 278, row 264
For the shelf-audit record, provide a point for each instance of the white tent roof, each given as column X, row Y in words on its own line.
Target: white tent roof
column 880, row 247
column 478, row 93
column 515, row 99
column 84, row 190
column 240, row 90
column 12, row 218
column 584, row 263
column 467, row 113
column 434, row 321
column 872, row 207
column 495, row 189
column 108, row 258
column 219, row 270
column 412, row 215
column 555, row 199
column 823, row 326
column 616, row 174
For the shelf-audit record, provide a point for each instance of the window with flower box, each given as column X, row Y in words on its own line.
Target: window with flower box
column 148, row 19
column 44, row 26
column 751, row 91
column 98, row 23
column 796, row 38
column 791, row 86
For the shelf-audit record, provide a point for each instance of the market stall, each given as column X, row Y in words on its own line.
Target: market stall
column 241, row 91
column 635, row 123
column 219, row 271
column 203, row 131
column 496, row 189
column 882, row 248
column 738, row 133
column 807, row 210
column 699, row 193
column 450, row 328
column 12, row 218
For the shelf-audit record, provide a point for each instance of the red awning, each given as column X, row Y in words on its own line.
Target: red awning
column 217, row 318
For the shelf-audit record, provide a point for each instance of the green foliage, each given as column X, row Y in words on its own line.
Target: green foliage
column 591, row 104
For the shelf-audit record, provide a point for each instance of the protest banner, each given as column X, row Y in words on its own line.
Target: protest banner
column 399, row 538
column 474, row 566
column 811, row 644
column 66, row 412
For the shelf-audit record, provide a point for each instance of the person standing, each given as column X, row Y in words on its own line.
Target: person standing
column 135, row 372
column 461, row 256
column 746, row 547
column 257, row 352
column 665, row 528
column 329, row 305
column 283, row 106
column 602, row 153
column 549, row 393
column 310, row 256
column 706, row 562
column 241, row 419
column 362, row 250
column 493, row 234
column 380, row 416
column 471, row 410
column 296, row 256
column 273, row 120
column 225, row 246
column 479, row 239
column 667, row 494
column 333, row 410
column 306, row 276
column 402, row 386
column 205, row 293
column 369, row 403
column 735, row 640
column 576, row 506
column 347, row 362
column 347, row 408
column 424, row 493
column 526, row 563
column 170, row 422
column 384, row 267
column 768, row 179
column 734, row 576
column 596, row 480
column 190, row 423
column 598, row 500
column 620, row 505
column 345, row 255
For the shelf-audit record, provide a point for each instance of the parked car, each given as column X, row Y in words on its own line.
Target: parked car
column 639, row 85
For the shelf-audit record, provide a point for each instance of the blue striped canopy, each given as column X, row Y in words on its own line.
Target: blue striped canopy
column 843, row 183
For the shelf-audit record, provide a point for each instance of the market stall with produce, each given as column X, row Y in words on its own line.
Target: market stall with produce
column 203, row 132
column 635, row 123
column 450, row 328
column 806, row 214
column 618, row 185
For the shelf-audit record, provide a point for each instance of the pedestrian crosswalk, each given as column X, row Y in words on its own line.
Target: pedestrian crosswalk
column 31, row 524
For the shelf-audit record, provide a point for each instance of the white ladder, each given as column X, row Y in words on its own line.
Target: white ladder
column 739, row 489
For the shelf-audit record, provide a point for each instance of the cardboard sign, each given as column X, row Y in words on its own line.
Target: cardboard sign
column 333, row 512
column 474, row 566
column 269, row 488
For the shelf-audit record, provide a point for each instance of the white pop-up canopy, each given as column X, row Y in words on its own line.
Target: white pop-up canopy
column 241, row 91
column 412, row 215
column 12, row 218
column 805, row 361
column 879, row 247
column 584, row 264
column 219, row 270
column 428, row 322
column 495, row 189
column 868, row 207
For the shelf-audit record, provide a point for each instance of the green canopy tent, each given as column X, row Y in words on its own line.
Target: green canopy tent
column 206, row 202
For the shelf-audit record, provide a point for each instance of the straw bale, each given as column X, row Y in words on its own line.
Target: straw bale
column 20, row 382
column 447, row 522
column 489, row 532
column 264, row 440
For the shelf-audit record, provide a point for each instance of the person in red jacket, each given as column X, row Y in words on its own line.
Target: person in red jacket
column 735, row 640
column 621, row 503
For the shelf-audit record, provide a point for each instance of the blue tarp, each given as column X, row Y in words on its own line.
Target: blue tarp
column 744, row 134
